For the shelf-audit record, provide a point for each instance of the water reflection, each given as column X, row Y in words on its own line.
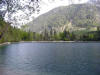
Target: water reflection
column 50, row 59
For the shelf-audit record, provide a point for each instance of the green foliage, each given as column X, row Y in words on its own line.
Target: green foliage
column 12, row 34
column 79, row 15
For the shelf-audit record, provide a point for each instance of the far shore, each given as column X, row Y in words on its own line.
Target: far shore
column 6, row 43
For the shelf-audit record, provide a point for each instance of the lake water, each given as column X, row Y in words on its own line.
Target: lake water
column 50, row 59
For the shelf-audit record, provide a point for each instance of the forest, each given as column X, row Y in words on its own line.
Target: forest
column 12, row 34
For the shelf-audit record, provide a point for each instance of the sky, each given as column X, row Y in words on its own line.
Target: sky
column 22, row 17
column 47, row 5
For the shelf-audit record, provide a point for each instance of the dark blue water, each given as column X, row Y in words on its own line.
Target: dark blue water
column 50, row 59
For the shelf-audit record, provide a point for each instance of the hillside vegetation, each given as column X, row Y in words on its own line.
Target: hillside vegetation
column 70, row 18
column 79, row 22
column 12, row 34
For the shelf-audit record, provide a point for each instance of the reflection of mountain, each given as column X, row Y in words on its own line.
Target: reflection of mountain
column 73, row 17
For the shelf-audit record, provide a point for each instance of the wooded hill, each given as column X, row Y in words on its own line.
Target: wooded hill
column 71, row 18
column 12, row 34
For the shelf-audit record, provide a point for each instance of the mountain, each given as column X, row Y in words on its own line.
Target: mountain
column 71, row 18
column 20, row 12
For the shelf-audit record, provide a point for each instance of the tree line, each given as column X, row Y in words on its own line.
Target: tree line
column 12, row 34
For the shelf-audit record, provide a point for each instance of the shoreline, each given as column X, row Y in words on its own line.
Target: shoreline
column 58, row 42
column 6, row 43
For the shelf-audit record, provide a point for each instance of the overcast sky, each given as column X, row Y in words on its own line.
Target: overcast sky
column 47, row 5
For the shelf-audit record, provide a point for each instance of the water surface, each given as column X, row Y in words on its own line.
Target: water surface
column 50, row 59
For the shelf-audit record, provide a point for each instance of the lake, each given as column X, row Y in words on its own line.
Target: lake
column 50, row 59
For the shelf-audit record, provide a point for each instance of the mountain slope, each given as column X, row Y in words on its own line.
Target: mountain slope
column 73, row 17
